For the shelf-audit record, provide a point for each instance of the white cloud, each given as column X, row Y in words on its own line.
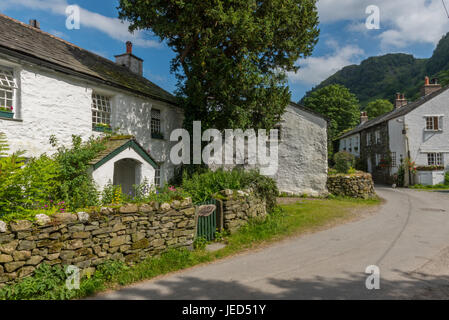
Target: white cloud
column 403, row 22
column 113, row 27
column 313, row 70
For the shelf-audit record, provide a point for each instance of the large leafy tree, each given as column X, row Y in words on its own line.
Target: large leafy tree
column 231, row 55
column 339, row 105
column 378, row 107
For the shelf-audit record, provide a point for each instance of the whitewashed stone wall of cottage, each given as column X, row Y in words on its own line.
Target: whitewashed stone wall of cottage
column 50, row 103
column 422, row 142
column 302, row 153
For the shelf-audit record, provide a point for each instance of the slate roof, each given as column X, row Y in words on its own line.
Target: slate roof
column 115, row 145
column 394, row 114
column 36, row 46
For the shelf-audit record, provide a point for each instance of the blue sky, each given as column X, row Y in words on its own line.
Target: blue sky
column 409, row 26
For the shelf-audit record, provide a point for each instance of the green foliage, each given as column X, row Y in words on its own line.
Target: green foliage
column 382, row 77
column 339, row 105
column 75, row 185
column 200, row 243
column 378, row 107
column 344, row 162
column 401, row 176
column 446, row 178
column 443, row 77
column 202, row 186
column 48, row 283
column 231, row 57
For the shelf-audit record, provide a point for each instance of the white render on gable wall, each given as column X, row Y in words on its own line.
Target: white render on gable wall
column 302, row 153
column 397, row 141
column 422, row 141
column 55, row 104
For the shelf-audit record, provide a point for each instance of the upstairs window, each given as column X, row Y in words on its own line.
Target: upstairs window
column 101, row 111
column 356, row 144
column 433, row 124
column 368, row 139
column 156, row 131
column 435, row 159
column 8, row 87
column 378, row 137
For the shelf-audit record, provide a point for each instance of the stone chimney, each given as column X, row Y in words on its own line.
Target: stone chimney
column 430, row 86
column 129, row 60
column 363, row 117
column 400, row 101
column 35, row 24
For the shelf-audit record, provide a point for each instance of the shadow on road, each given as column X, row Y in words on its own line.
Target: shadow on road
column 415, row 286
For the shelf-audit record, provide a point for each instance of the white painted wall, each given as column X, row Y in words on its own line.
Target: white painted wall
column 351, row 144
column 104, row 174
column 302, row 153
column 50, row 103
column 421, row 141
column 397, row 142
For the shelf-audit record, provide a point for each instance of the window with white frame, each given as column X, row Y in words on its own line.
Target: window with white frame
column 8, row 86
column 433, row 123
column 350, row 145
column 156, row 121
column 393, row 159
column 356, row 144
column 435, row 159
column 157, row 176
column 368, row 138
column 378, row 137
column 101, row 110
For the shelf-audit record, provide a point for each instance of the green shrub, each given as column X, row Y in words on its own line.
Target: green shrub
column 76, row 186
column 401, row 176
column 446, row 178
column 202, row 186
column 343, row 161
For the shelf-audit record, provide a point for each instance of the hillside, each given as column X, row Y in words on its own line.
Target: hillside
column 381, row 77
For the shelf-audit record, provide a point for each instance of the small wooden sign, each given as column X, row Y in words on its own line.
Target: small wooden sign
column 206, row 210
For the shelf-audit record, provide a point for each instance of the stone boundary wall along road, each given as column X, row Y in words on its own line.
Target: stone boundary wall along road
column 239, row 207
column 129, row 233
column 358, row 185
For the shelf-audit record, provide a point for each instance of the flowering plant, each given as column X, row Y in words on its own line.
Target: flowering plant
column 6, row 109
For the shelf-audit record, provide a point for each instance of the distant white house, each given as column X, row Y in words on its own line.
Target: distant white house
column 418, row 131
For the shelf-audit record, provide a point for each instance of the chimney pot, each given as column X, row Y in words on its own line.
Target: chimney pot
column 129, row 47
column 363, row 117
column 35, row 24
column 430, row 87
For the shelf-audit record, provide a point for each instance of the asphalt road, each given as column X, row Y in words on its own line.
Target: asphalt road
column 407, row 238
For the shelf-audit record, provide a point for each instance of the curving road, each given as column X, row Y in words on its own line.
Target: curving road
column 407, row 238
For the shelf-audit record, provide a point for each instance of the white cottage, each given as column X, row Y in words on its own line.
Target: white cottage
column 418, row 131
column 51, row 87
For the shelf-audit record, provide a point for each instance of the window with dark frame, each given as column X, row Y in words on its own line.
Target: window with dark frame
column 156, row 123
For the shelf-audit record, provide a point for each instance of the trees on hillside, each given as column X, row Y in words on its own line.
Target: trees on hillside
column 378, row 107
column 231, row 56
column 339, row 105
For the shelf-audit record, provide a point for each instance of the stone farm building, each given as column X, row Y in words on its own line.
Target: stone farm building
column 418, row 131
column 57, row 88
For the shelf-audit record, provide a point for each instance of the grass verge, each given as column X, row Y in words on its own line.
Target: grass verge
column 286, row 220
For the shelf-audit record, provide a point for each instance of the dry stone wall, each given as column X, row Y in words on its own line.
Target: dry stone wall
column 239, row 207
column 129, row 233
column 358, row 185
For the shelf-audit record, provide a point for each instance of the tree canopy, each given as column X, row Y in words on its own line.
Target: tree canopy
column 378, row 107
column 231, row 55
column 339, row 105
